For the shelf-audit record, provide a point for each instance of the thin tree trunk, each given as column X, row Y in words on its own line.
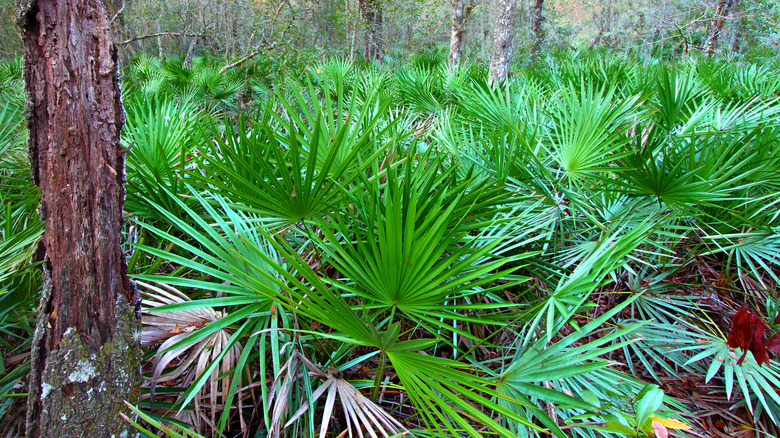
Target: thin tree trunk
column 85, row 358
column 117, row 11
column 716, row 26
column 740, row 28
column 190, row 53
column 537, row 29
column 503, row 34
column 737, row 39
column 596, row 40
column 159, row 41
column 374, row 44
column 460, row 12
column 234, row 40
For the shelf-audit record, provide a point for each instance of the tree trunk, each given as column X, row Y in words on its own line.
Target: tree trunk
column 190, row 53
column 372, row 14
column 460, row 12
column 740, row 28
column 537, row 29
column 116, row 13
column 159, row 41
column 716, row 26
column 85, row 357
column 503, row 35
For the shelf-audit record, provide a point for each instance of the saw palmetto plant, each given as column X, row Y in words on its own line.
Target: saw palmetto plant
column 522, row 265
column 416, row 252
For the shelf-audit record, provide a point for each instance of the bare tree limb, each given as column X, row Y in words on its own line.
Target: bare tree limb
column 246, row 58
column 118, row 13
column 257, row 51
column 153, row 35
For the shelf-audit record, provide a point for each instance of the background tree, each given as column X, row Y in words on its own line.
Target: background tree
column 503, row 36
column 739, row 28
column 85, row 359
column 722, row 9
column 374, row 42
column 11, row 45
column 460, row 13
column 537, row 28
column 313, row 28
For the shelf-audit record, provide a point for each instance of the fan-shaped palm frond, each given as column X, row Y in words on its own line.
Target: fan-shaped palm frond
column 589, row 129
column 159, row 137
column 190, row 341
column 229, row 253
column 303, row 166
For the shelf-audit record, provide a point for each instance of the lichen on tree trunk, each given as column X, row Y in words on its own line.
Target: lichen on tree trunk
column 85, row 358
column 79, row 389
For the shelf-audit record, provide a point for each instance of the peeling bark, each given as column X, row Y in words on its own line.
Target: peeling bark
column 85, row 359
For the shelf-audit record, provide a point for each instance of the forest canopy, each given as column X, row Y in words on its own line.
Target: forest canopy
column 312, row 27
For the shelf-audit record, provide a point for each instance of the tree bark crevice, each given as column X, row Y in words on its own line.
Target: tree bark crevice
column 74, row 116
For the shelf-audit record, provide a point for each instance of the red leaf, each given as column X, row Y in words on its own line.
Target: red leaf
column 773, row 344
column 747, row 333
column 760, row 355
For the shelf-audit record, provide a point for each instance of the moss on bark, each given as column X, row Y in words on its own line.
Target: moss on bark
column 78, row 389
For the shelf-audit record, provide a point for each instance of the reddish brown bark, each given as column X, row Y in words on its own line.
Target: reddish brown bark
column 75, row 117
column 716, row 26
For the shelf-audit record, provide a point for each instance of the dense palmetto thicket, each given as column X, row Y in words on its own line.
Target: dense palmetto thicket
column 412, row 251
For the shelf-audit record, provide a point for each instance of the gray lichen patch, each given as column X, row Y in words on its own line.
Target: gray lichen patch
column 82, row 389
column 45, row 389
column 85, row 370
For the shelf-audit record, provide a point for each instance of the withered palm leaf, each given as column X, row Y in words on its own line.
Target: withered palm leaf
column 360, row 412
column 189, row 346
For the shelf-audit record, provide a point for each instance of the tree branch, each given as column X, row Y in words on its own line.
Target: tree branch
column 153, row 35
column 245, row 58
column 257, row 51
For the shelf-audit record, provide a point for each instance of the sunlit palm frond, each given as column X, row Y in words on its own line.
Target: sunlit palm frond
column 422, row 90
column 159, row 136
column 678, row 94
column 589, row 128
